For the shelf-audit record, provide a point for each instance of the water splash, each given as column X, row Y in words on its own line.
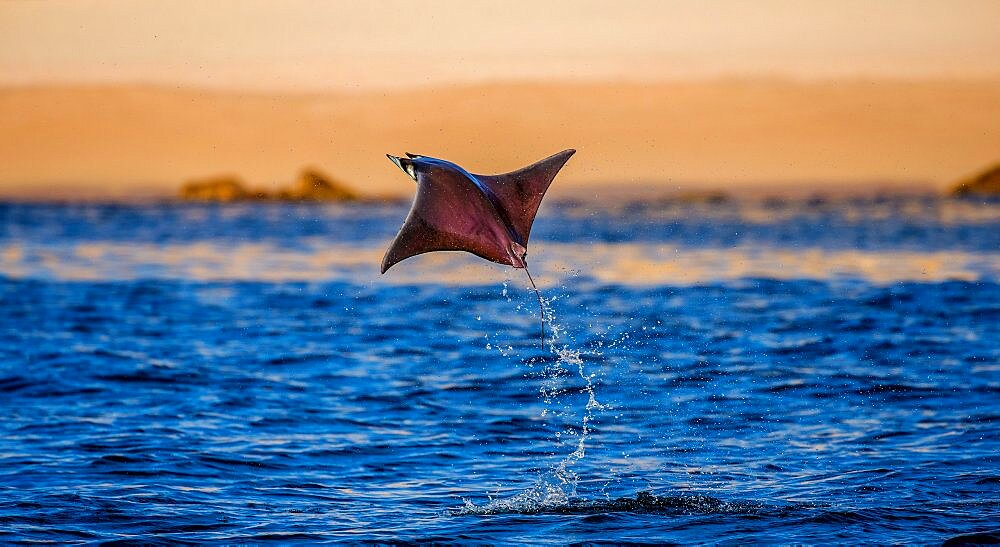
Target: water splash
column 558, row 487
column 549, row 500
column 563, row 470
column 540, row 498
column 567, row 356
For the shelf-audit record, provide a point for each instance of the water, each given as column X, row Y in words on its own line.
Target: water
column 750, row 371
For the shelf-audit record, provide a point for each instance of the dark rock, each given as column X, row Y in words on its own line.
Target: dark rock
column 313, row 185
column 224, row 188
column 986, row 183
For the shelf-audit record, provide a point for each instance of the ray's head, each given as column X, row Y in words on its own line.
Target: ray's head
column 405, row 164
column 415, row 165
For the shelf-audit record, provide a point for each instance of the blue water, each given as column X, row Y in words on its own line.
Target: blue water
column 742, row 372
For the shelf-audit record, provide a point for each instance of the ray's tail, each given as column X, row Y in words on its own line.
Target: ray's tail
column 541, row 306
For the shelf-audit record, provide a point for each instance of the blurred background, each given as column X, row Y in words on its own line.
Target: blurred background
column 127, row 100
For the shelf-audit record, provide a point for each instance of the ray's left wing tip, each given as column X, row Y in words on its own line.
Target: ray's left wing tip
column 386, row 262
column 386, row 259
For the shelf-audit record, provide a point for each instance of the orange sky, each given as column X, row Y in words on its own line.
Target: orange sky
column 663, row 92
column 318, row 45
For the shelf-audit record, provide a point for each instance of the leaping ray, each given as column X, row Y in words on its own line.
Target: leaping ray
column 489, row 216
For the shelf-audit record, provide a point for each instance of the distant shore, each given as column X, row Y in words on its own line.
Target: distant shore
column 613, row 191
column 608, row 197
column 311, row 185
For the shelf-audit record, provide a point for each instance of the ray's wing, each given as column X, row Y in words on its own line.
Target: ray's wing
column 520, row 192
column 450, row 213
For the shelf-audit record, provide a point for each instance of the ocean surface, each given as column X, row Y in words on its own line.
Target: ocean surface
column 748, row 371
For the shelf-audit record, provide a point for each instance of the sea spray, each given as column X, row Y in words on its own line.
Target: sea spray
column 563, row 470
column 573, row 358
column 558, row 486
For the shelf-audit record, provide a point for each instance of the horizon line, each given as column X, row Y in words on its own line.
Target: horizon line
column 623, row 191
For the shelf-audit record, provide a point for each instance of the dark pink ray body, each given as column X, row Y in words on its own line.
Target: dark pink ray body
column 486, row 215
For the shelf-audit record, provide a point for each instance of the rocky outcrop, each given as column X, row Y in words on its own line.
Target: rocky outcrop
column 311, row 185
column 986, row 183
column 223, row 188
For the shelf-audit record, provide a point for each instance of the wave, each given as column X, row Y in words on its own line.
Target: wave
column 546, row 499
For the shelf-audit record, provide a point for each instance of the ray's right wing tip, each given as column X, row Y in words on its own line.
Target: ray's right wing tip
column 559, row 157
